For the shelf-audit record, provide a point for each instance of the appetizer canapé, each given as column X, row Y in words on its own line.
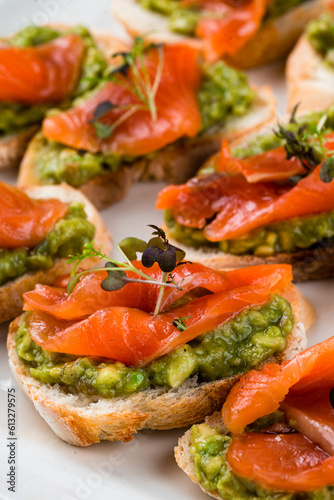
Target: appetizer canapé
column 40, row 227
column 158, row 115
column 271, row 200
column 154, row 344
column 276, row 438
column 246, row 33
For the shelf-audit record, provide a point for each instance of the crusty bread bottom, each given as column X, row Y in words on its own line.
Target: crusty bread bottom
column 316, row 264
column 11, row 293
column 185, row 459
column 83, row 420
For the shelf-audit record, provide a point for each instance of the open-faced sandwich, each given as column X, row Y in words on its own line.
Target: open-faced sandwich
column 310, row 67
column 158, row 115
column 155, row 343
column 40, row 228
column 269, row 200
column 43, row 67
column 275, row 437
column 246, row 33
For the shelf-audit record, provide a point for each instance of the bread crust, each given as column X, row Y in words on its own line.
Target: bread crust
column 12, row 147
column 11, row 293
column 273, row 40
column 83, row 420
column 310, row 81
column 175, row 163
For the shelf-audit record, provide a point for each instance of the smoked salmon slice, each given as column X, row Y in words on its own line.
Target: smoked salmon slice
column 25, row 222
column 227, row 25
column 238, row 206
column 176, row 103
column 271, row 166
column 288, row 462
column 260, row 393
column 135, row 336
column 301, row 387
column 88, row 296
column 47, row 73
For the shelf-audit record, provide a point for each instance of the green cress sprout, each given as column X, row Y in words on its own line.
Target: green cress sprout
column 180, row 323
column 306, row 144
column 157, row 250
column 133, row 75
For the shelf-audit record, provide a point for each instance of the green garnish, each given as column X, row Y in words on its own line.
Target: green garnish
column 157, row 250
column 180, row 323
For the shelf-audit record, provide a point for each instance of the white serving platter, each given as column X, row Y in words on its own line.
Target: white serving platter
column 144, row 469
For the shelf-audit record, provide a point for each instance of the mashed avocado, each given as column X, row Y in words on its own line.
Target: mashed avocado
column 184, row 20
column 209, row 450
column 320, row 34
column 16, row 117
column 224, row 93
column 286, row 236
column 240, row 344
column 67, row 238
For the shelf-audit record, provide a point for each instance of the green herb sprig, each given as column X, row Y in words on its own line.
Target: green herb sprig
column 133, row 75
column 180, row 323
column 156, row 250
column 307, row 145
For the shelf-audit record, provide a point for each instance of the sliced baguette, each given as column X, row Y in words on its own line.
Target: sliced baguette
column 310, row 81
column 12, row 147
column 273, row 40
column 83, row 420
column 175, row 163
column 185, row 459
column 11, row 293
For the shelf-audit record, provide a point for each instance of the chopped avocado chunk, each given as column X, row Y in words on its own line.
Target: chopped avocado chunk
column 209, row 450
column 33, row 35
column 239, row 344
column 67, row 238
column 16, row 117
column 320, row 34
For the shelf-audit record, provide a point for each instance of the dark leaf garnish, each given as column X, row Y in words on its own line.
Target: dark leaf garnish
column 102, row 109
column 294, row 113
column 115, row 279
column 327, row 170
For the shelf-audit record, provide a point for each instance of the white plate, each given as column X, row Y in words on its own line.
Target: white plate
column 144, row 469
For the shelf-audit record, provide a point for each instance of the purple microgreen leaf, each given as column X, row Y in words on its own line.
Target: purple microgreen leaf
column 158, row 232
column 167, row 260
column 115, row 279
column 150, row 256
column 101, row 109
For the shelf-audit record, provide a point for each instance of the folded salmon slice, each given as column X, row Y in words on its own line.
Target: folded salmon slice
column 25, row 222
column 227, row 25
column 47, row 73
column 239, row 206
column 88, row 296
column 288, row 462
column 135, row 336
column 178, row 112
column 271, row 166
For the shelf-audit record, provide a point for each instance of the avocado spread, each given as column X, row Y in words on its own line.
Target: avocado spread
column 286, row 236
column 209, row 450
column 67, row 238
column 184, row 20
column 16, row 117
column 224, row 93
column 320, row 34
column 240, row 344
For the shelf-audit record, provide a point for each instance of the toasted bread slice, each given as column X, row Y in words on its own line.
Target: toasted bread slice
column 11, row 293
column 12, row 147
column 310, row 82
column 175, row 163
column 273, row 40
column 83, row 420
column 185, row 459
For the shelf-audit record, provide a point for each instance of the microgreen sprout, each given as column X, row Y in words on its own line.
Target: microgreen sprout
column 157, row 250
column 306, row 143
column 180, row 323
column 134, row 75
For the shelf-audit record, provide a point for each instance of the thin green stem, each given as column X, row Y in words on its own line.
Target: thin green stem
column 161, row 292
